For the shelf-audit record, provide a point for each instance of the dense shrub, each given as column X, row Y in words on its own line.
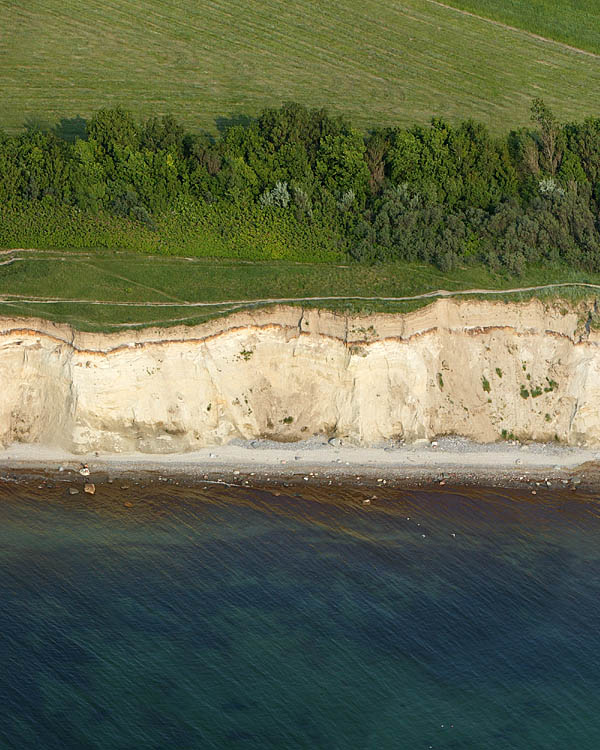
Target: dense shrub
column 298, row 184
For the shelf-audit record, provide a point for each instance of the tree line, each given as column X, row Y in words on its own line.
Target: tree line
column 442, row 193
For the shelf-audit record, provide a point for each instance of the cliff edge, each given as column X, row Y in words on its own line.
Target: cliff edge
column 485, row 370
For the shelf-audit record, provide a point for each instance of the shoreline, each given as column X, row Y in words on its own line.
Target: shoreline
column 319, row 462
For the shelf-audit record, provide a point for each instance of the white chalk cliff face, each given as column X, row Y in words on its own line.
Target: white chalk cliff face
column 480, row 369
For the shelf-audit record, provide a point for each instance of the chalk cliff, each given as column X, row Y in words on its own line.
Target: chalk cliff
column 477, row 368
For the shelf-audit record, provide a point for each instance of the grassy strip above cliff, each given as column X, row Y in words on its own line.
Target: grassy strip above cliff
column 104, row 291
column 377, row 61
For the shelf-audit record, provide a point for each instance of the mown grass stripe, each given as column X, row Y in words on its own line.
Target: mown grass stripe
column 378, row 62
column 575, row 25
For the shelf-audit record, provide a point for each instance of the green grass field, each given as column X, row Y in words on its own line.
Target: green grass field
column 376, row 61
column 575, row 22
column 136, row 279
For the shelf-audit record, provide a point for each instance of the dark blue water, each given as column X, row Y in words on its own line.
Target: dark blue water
column 248, row 620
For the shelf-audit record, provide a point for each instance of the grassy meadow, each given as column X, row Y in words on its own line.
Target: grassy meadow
column 376, row 61
column 211, row 64
column 574, row 22
column 134, row 279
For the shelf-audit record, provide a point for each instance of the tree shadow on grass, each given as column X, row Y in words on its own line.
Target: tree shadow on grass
column 35, row 124
column 71, row 128
column 68, row 128
column 224, row 123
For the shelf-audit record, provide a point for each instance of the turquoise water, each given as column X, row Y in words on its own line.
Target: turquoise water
column 248, row 620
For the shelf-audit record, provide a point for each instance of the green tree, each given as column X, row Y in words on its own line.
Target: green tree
column 112, row 130
column 341, row 165
column 550, row 136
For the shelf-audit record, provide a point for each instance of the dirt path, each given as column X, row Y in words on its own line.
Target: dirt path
column 128, row 280
column 229, row 304
column 508, row 27
column 9, row 298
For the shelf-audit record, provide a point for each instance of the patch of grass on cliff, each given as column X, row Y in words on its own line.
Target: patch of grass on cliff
column 79, row 279
column 571, row 295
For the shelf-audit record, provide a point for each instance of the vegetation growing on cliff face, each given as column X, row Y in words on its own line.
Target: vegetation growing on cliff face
column 302, row 185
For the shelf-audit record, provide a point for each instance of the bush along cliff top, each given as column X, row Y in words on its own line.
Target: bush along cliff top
column 300, row 185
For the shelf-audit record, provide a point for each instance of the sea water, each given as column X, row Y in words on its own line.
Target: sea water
column 251, row 619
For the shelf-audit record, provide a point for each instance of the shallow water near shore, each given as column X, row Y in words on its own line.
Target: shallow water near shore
column 243, row 618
